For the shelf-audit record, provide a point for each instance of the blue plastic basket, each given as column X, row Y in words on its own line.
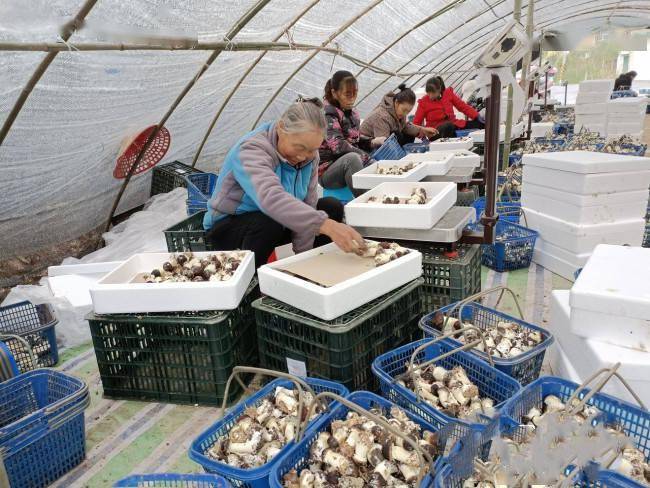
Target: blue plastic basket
column 464, row 132
column 512, row 249
column 169, row 480
column 389, row 150
column 416, row 147
column 297, row 457
column 195, row 207
column 629, row 149
column 507, row 208
column 42, row 426
column 8, row 366
column 448, row 477
column 256, row 477
column 35, row 325
column 491, row 382
column 563, row 128
column 525, row 368
column 200, row 186
column 634, row 421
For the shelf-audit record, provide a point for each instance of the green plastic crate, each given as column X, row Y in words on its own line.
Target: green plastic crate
column 467, row 197
column 342, row 349
column 446, row 279
column 188, row 235
column 183, row 357
column 166, row 177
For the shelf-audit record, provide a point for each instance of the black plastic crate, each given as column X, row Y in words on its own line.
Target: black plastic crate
column 166, row 177
column 466, row 197
column 342, row 349
column 188, row 235
column 34, row 325
column 448, row 277
column 183, row 357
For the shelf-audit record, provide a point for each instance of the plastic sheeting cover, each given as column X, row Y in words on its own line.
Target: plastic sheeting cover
column 56, row 163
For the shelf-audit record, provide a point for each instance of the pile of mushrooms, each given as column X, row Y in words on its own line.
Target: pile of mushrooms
column 220, row 266
column 261, row 432
column 357, row 452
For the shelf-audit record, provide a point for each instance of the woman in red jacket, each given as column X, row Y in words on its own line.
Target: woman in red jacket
column 436, row 109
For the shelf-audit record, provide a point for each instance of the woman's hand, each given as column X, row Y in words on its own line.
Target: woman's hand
column 344, row 236
column 378, row 141
column 429, row 131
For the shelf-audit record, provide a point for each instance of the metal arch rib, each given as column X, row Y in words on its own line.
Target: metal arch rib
column 66, row 33
column 241, row 80
column 333, row 36
column 232, row 32
column 422, row 51
column 431, row 17
column 458, row 58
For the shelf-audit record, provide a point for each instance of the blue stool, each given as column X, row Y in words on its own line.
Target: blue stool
column 344, row 195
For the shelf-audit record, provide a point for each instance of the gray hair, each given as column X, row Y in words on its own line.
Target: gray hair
column 304, row 115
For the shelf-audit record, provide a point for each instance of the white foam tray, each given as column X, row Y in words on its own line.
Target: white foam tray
column 369, row 178
column 591, row 108
column 462, row 158
column 587, row 162
column 540, row 129
column 627, row 105
column 592, row 86
column 610, row 301
column 73, row 281
column 580, row 239
column 589, row 355
column 586, row 184
column 587, row 98
column 553, row 263
column 115, row 294
column 459, row 143
column 437, row 163
column 585, row 209
column 442, row 197
column 332, row 302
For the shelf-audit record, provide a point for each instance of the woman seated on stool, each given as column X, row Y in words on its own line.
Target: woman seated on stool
column 389, row 117
column 436, row 109
column 266, row 193
column 343, row 152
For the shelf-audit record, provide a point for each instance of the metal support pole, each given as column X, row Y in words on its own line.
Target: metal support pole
column 516, row 15
column 545, row 88
column 493, row 104
column 566, row 89
column 530, row 11
column 531, row 93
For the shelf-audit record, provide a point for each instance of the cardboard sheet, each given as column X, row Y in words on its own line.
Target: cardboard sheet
column 329, row 269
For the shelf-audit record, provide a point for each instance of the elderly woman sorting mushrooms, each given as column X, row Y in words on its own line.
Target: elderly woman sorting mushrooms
column 266, row 193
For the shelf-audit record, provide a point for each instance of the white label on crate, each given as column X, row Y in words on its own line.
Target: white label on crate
column 296, row 368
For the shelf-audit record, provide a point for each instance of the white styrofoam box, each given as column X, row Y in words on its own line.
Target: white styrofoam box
column 479, row 135
column 562, row 365
column 627, row 118
column 332, row 302
column 596, row 86
column 583, row 238
column 624, row 128
column 442, row 197
column 552, row 262
column 587, row 98
column 591, row 109
column 437, row 163
column 369, row 178
column 454, row 143
column 589, row 355
column 585, row 209
column 627, row 105
column 462, row 158
column 586, row 184
column 115, row 293
column 540, row 129
column 615, row 135
column 575, row 260
column 610, row 301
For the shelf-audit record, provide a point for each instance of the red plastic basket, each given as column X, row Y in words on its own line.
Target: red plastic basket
column 152, row 156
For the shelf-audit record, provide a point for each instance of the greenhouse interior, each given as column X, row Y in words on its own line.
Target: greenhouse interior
column 324, row 243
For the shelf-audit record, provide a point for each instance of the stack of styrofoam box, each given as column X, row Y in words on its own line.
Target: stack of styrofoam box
column 605, row 319
column 626, row 116
column 591, row 105
column 579, row 199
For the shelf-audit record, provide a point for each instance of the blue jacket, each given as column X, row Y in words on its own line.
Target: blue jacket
column 255, row 177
